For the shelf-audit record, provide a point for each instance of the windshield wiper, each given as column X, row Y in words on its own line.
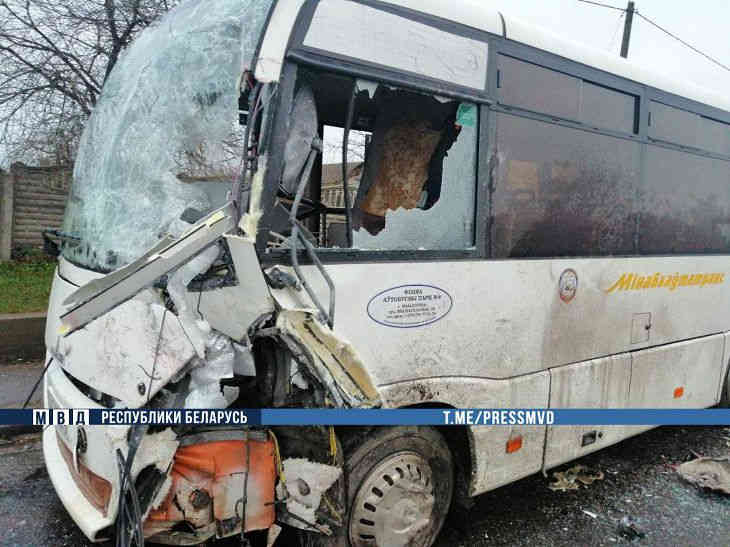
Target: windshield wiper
column 50, row 247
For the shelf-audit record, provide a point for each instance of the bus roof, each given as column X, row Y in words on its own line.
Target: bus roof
column 479, row 16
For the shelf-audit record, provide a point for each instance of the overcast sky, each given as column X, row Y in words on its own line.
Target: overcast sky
column 705, row 24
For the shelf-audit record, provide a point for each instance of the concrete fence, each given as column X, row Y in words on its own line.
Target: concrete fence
column 31, row 200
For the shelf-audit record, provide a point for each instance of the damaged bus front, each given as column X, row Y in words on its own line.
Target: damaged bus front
column 365, row 203
column 159, row 301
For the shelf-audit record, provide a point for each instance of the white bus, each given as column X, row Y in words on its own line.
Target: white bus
column 524, row 223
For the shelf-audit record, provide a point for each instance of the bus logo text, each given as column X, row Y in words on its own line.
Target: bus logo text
column 633, row 281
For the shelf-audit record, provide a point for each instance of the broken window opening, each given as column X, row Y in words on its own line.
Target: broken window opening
column 409, row 159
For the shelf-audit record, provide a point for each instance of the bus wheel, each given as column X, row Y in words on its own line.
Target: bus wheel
column 399, row 482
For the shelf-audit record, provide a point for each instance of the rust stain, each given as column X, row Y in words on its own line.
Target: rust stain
column 96, row 489
column 218, row 469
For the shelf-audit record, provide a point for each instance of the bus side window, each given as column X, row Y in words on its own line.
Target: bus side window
column 411, row 166
column 418, row 184
column 411, row 137
column 562, row 191
column 685, row 204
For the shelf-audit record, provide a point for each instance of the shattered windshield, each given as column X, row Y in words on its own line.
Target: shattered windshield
column 164, row 136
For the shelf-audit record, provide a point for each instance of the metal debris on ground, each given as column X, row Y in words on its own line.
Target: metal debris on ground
column 572, row 478
column 727, row 436
column 628, row 528
column 713, row 473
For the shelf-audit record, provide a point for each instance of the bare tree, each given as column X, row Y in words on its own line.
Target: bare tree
column 54, row 58
column 332, row 152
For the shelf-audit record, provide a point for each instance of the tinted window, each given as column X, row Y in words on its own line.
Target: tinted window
column 546, row 91
column 685, row 203
column 608, row 109
column 561, row 191
column 715, row 136
column 673, row 125
column 536, row 88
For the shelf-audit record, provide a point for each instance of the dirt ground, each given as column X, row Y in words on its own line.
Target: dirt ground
column 639, row 482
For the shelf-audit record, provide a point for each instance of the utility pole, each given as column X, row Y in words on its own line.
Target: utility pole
column 627, row 30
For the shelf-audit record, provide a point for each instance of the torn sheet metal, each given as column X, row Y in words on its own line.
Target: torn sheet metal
column 130, row 352
column 232, row 310
column 155, row 449
column 712, row 473
column 197, row 329
column 243, row 364
column 207, row 484
column 306, row 483
column 107, row 292
column 249, row 222
column 205, row 389
column 333, row 360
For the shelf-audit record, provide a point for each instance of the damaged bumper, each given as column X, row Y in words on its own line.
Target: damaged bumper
column 197, row 478
column 85, row 515
column 92, row 518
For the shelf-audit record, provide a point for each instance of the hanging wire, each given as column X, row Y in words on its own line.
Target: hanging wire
column 690, row 46
column 35, row 386
column 602, row 5
column 661, row 28
column 157, row 353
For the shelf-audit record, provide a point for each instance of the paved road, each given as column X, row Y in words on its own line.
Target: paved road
column 639, row 481
column 17, row 379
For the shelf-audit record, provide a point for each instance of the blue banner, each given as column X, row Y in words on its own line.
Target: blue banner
column 354, row 417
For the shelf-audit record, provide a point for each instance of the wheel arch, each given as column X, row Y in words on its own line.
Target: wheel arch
column 460, row 440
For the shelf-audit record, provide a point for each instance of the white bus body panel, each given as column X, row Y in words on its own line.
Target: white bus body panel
column 491, row 465
column 508, row 331
column 601, row 383
column 694, row 366
column 508, row 319
column 273, row 46
column 724, row 387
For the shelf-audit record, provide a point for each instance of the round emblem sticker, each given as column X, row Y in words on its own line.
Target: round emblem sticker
column 568, row 285
column 409, row 306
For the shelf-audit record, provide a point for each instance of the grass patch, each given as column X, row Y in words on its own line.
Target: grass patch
column 25, row 286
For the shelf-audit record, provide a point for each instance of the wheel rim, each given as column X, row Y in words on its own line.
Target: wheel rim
column 394, row 505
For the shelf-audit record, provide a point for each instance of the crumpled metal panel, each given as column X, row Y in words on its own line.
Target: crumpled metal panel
column 207, row 488
column 331, row 359
column 232, row 310
column 129, row 352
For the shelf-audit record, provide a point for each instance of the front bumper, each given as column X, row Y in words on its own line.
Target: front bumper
column 60, row 392
column 85, row 515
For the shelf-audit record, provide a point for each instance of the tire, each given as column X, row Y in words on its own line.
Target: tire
column 400, row 482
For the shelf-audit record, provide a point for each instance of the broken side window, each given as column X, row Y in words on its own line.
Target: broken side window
column 410, row 166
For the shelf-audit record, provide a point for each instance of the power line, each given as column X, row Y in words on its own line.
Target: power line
column 690, row 46
column 665, row 31
column 602, row 5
